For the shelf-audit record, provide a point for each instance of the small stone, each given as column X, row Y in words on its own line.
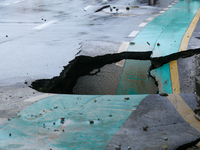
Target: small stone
column 95, row 100
column 54, row 123
column 63, row 130
column 6, row 35
column 55, row 107
column 9, row 119
column 145, row 128
column 126, row 98
column 158, row 44
column 10, row 134
column 129, row 148
column 163, row 94
column 127, row 8
column 165, row 138
column 117, row 147
column 132, row 43
column 110, row 115
column 91, row 121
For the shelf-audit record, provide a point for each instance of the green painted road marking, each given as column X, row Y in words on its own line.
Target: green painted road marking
column 162, row 75
column 40, row 125
column 168, row 30
column 135, row 80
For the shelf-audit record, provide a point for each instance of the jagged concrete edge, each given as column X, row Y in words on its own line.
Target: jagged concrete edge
column 83, row 65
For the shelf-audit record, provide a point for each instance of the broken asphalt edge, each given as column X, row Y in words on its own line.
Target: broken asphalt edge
column 83, row 65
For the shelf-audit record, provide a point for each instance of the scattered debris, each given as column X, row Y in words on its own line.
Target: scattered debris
column 56, row 130
column 158, row 44
column 110, row 115
column 127, row 8
column 145, row 128
column 129, row 148
column 6, row 35
column 91, row 121
column 9, row 119
column 132, row 43
column 100, row 9
column 163, row 94
column 118, row 147
column 62, row 120
column 126, row 98
column 165, row 138
column 148, row 43
column 55, row 107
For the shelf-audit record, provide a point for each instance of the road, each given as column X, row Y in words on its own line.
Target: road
column 38, row 38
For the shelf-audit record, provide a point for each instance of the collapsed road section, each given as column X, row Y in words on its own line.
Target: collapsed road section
column 83, row 65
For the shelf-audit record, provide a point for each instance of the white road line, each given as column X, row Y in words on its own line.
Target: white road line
column 143, row 24
column 6, row 4
column 87, row 7
column 150, row 18
column 162, row 12
column 44, row 25
column 170, row 5
column 133, row 34
column 157, row 15
column 165, row 8
column 17, row 2
column 124, row 46
column 173, row 3
column 37, row 98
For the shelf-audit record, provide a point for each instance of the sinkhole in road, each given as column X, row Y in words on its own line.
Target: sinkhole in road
column 84, row 65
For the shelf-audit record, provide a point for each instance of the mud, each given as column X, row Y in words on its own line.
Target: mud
column 83, row 65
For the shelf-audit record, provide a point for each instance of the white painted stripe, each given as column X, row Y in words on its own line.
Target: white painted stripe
column 165, row 8
column 44, row 25
column 170, row 5
column 124, row 46
column 173, row 3
column 37, row 98
column 134, row 33
column 143, row 24
column 150, row 18
column 162, row 12
column 87, row 7
column 17, row 2
column 157, row 15
column 6, row 4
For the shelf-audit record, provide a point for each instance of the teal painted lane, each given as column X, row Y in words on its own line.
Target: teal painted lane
column 168, row 30
column 162, row 75
column 135, row 80
column 68, row 122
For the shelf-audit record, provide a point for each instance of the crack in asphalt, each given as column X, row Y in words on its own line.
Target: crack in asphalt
column 83, row 65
